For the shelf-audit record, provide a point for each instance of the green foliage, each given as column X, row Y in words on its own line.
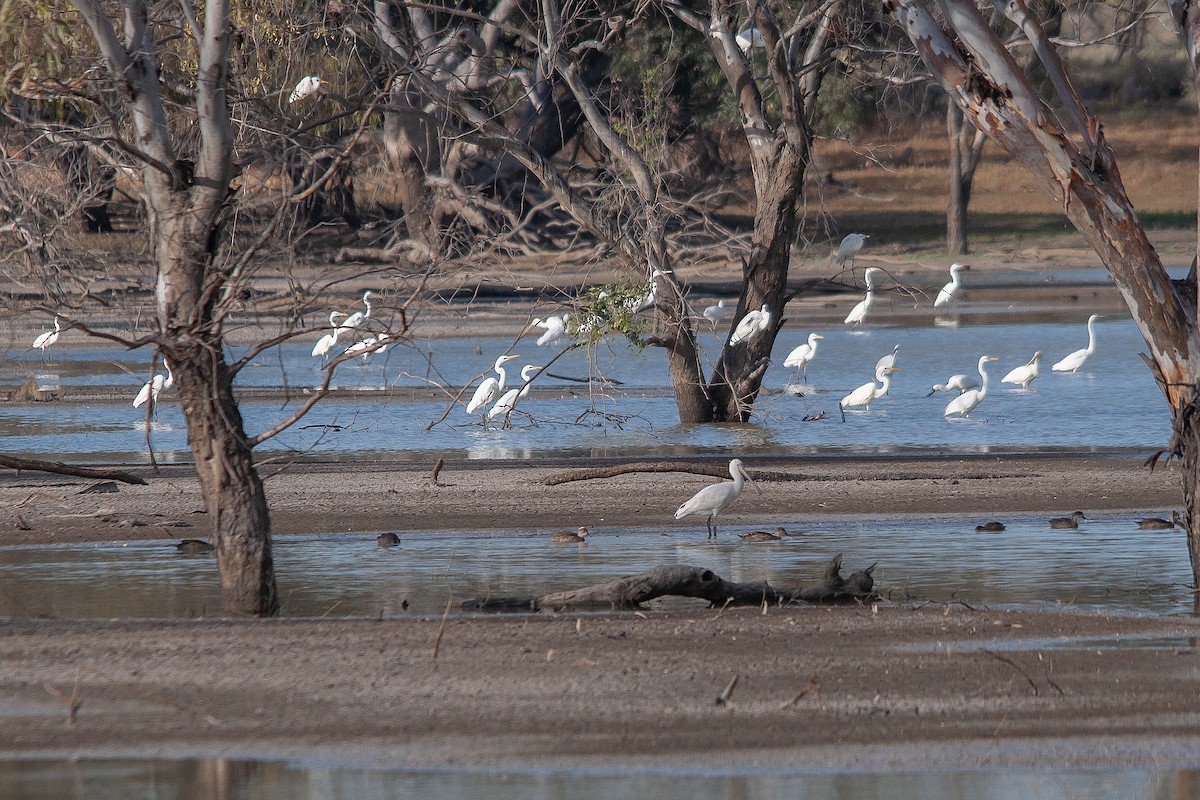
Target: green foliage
column 845, row 104
column 41, row 45
column 609, row 309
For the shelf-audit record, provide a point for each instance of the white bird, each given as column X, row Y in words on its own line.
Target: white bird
column 1023, row 376
column 966, row 402
column 326, row 342
column 848, row 249
column 754, row 323
column 802, row 355
column 715, row 314
column 359, row 317
column 955, row 383
column 646, row 301
column 712, row 499
column 947, row 294
column 868, row 392
column 508, row 401
column 750, row 37
column 555, row 328
column 151, row 388
column 859, row 312
column 308, row 85
column 369, row 346
column 1074, row 361
column 491, row 387
column 888, row 362
column 47, row 338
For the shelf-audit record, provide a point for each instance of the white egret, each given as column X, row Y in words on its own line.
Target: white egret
column 508, row 401
column 47, row 338
column 966, row 402
column 955, row 383
column 151, row 388
column 369, row 346
column 715, row 314
column 868, row 392
column 1023, row 376
column 646, row 301
column 326, row 342
column 950, row 290
column 848, row 249
column 712, row 499
column 307, row 85
column 802, row 356
column 491, row 387
column 555, row 328
column 859, row 312
column 359, row 317
column 1074, row 361
column 754, row 323
column 888, row 362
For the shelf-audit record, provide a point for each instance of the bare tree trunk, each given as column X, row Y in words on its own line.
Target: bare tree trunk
column 966, row 146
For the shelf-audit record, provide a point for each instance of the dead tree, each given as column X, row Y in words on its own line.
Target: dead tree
column 1062, row 145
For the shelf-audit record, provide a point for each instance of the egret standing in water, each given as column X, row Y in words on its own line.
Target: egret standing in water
column 508, row 401
column 325, row 343
column 859, row 312
column 1023, row 376
column 802, row 356
column 868, row 392
column 848, row 249
column 966, row 402
column 888, row 362
column 151, row 388
column 47, row 338
column 710, row 500
column 1074, row 361
column 490, row 388
column 950, row 290
column 754, row 323
column 555, row 328
column 359, row 317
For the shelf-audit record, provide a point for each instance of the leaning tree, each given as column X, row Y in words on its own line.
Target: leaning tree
column 1062, row 145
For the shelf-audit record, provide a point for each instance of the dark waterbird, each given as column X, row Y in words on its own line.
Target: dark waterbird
column 387, row 539
column 194, row 547
column 990, row 527
column 1067, row 522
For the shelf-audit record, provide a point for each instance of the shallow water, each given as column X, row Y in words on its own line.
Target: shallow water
column 225, row 779
column 1112, row 404
column 1107, row 565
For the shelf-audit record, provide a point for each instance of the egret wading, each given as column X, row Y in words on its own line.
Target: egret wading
column 325, row 343
column 1074, row 361
column 508, row 401
column 359, row 317
column 966, row 402
column 949, row 292
column 555, row 328
column 848, row 249
column 1023, row 376
column 490, row 388
column 151, row 388
column 888, row 362
column 859, row 313
column 710, row 500
column 802, row 356
column 47, row 338
column 868, row 392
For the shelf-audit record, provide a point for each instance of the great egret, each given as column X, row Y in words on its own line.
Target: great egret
column 848, row 249
column 151, row 388
column 802, row 356
column 555, row 328
column 966, row 402
column 570, row 538
column 763, row 536
column 868, row 392
column 359, row 317
column 47, row 338
column 955, row 383
column 369, row 346
column 754, row 323
column 491, row 387
column 1074, row 361
column 1071, row 522
column 710, row 500
column 508, row 401
column 947, row 294
column 307, row 85
column 859, row 312
column 715, row 314
column 1023, row 376
column 646, row 301
column 750, row 37
column 326, row 342
column 888, row 362
column 990, row 527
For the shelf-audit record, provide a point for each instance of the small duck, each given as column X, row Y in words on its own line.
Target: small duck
column 1160, row 524
column 568, row 538
column 1067, row 522
column 763, row 536
column 387, row 539
column 194, row 547
column 990, row 527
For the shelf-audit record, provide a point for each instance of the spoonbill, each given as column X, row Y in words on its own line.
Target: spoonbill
column 955, row 383
column 710, row 500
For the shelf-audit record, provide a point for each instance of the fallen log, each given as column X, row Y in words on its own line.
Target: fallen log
column 680, row 580
column 721, row 470
column 59, row 468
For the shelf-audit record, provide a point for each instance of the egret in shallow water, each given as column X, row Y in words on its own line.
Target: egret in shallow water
column 508, row 401
column 802, row 356
column 555, row 328
column 966, row 402
column 859, row 312
column 955, row 383
column 715, row 314
column 491, row 387
column 1024, row 375
column 948, row 292
column 754, row 323
column 47, row 338
column 151, row 388
column 868, row 392
column 848, row 249
column 1074, row 361
column 710, row 500
column 359, row 317
column 325, row 343
column 888, row 361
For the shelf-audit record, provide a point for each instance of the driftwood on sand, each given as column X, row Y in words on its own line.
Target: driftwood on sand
column 720, row 470
column 60, row 468
column 687, row 581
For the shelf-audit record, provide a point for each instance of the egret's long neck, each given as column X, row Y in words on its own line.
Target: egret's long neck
column 812, row 345
column 983, row 388
column 886, row 380
column 503, row 377
column 1091, row 336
